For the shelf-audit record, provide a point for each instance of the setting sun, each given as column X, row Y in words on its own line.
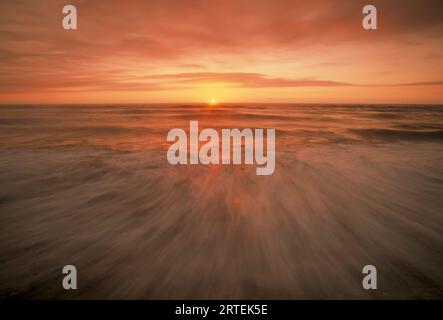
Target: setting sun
column 213, row 102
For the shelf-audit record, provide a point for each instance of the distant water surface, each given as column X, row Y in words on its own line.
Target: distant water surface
column 90, row 186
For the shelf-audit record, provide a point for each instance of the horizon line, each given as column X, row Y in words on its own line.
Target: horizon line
column 218, row 104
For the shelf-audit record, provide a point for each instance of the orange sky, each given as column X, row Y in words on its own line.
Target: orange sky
column 231, row 50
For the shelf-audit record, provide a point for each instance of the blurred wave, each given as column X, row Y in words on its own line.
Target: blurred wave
column 90, row 186
column 387, row 134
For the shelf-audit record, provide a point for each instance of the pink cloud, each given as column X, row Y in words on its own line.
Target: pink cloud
column 37, row 54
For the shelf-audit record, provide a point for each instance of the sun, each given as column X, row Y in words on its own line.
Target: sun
column 213, row 102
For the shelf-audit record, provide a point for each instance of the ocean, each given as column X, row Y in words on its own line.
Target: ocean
column 90, row 186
